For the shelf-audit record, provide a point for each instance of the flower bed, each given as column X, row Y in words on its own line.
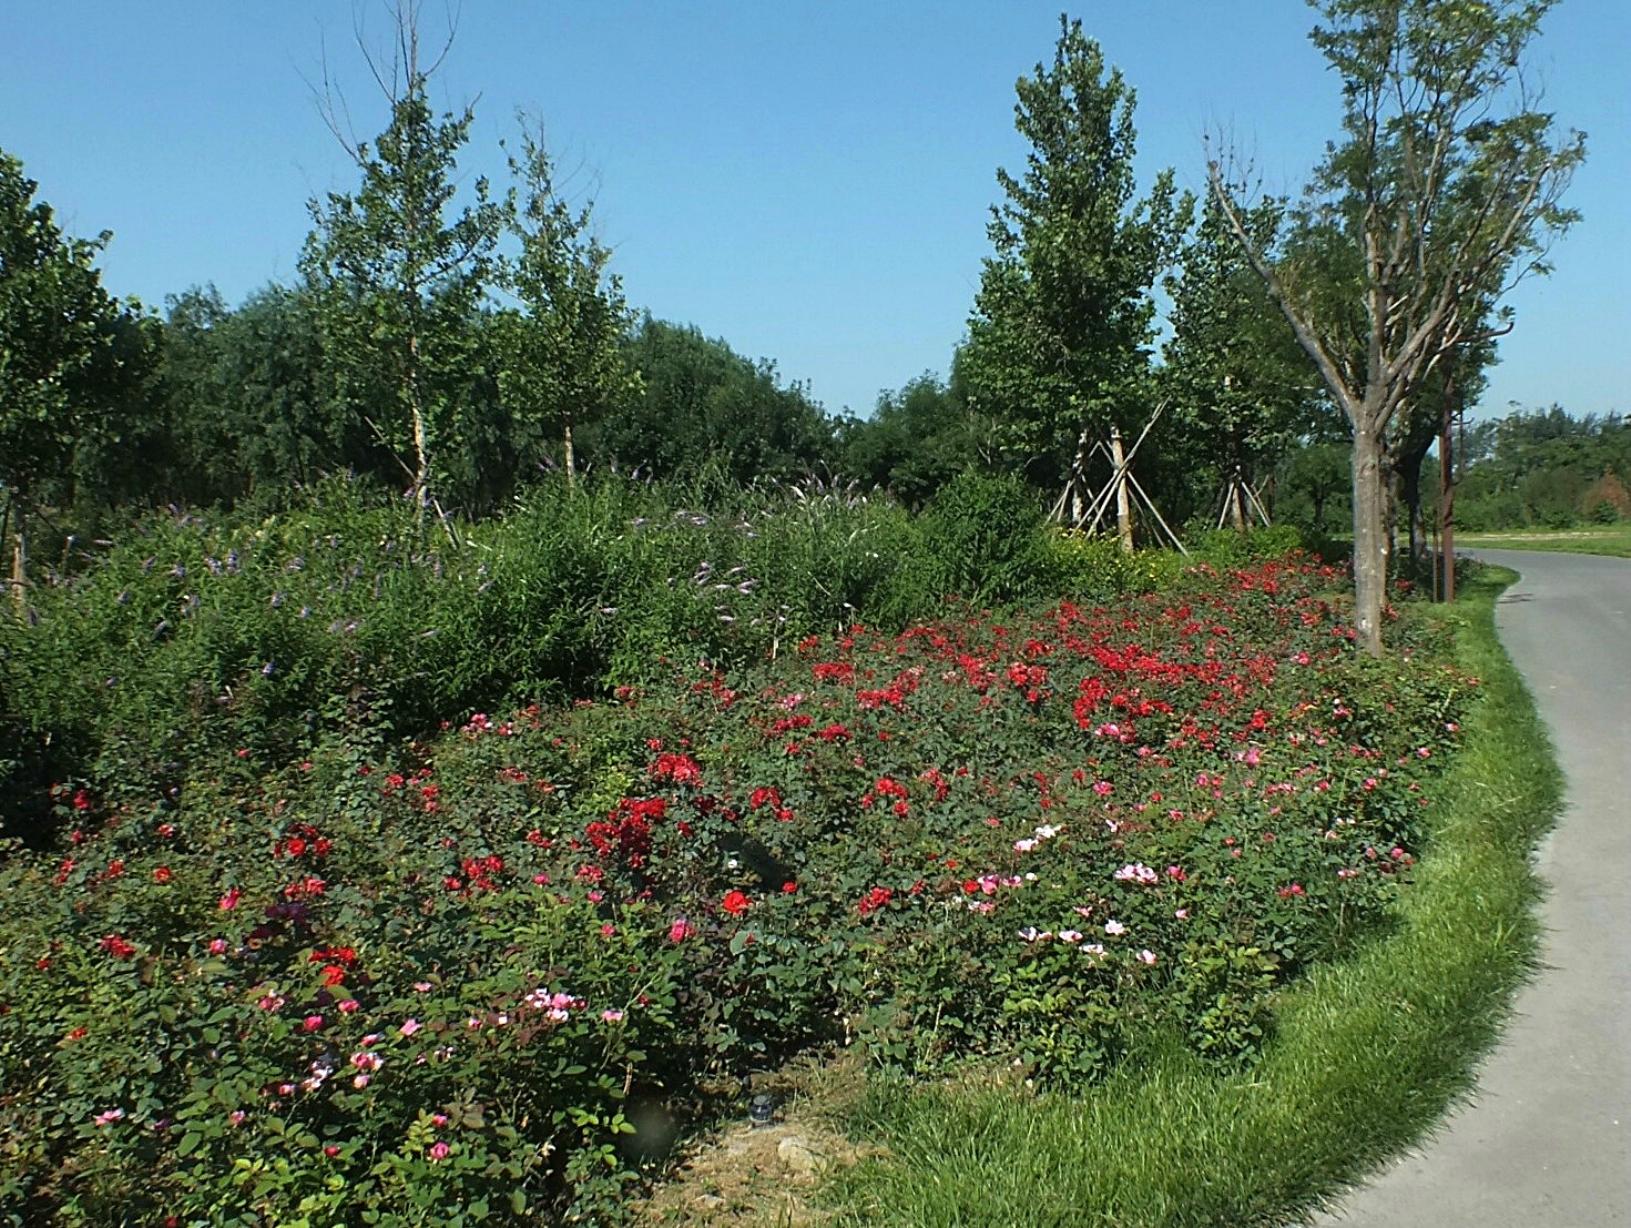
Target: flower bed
column 388, row 981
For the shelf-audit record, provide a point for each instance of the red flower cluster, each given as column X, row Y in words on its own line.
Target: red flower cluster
column 480, row 874
column 681, row 769
column 627, row 830
column 118, row 946
column 841, row 672
column 300, row 840
column 873, row 900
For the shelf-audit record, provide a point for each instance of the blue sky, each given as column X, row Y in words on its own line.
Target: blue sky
column 808, row 180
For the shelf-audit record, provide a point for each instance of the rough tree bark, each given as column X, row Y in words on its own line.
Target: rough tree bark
column 1370, row 558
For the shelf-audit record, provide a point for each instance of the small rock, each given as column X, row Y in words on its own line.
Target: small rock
column 797, row 1157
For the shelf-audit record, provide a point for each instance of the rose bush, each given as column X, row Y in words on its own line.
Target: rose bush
column 432, row 980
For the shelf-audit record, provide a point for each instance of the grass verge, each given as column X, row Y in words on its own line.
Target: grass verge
column 1608, row 539
column 1368, row 1056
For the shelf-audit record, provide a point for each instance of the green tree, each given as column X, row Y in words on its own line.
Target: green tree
column 700, row 404
column 1457, row 381
column 73, row 361
column 563, row 357
column 399, row 271
column 1313, row 478
column 1444, row 188
column 1060, row 335
column 1240, row 386
column 244, row 391
column 918, row 438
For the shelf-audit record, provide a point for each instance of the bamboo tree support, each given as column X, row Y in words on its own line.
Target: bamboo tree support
column 1126, row 491
column 421, row 496
column 1241, row 503
column 1071, row 496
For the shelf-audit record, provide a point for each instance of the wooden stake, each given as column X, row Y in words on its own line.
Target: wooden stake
column 1124, row 507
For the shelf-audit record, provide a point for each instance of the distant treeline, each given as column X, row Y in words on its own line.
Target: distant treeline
column 1545, row 468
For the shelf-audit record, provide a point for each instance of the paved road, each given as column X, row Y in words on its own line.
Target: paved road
column 1547, row 1143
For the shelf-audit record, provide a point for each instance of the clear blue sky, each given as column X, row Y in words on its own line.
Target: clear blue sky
column 808, row 180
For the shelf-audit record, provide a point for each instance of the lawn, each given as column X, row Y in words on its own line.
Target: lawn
column 1614, row 539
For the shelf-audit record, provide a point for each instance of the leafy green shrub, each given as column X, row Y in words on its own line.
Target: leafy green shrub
column 984, row 533
column 1097, row 569
column 281, row 625
column 1233, row 548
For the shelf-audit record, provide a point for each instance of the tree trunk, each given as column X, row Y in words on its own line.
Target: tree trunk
column 1370, row 539
column 5, row 522
column 571, row 457
column 1446, row 502
column 1239, row 514
column 1078, row 481
column 1124, row 505
column 1410, row 481
column 19, row 565
column 421, row 470
column 1390, row 510
column 421, row 440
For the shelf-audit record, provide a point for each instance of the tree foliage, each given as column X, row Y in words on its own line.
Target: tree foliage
column 73, row 359
column 399, row 269
column 244, row 398
column 563, row 360
column 1064, row 319
column 699, row 404
column 1241, row 387
column 918, row 438
column 1444, row 187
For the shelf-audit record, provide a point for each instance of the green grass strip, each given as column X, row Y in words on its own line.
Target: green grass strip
column 1368, row 1057
column 1610, row 539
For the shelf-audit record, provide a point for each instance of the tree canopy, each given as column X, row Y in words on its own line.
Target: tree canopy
column 1063, row 324
column 1443, row 189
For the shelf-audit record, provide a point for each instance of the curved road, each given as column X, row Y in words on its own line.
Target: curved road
column 1547, row 1141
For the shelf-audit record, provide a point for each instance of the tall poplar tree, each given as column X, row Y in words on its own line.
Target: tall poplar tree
column 563, row 355
column 1062, row 326
column 1238, row 382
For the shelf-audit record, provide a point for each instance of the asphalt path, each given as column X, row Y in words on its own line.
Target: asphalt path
column 1546, row 1140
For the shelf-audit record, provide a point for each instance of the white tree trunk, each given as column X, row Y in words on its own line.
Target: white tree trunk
column 1124, row 503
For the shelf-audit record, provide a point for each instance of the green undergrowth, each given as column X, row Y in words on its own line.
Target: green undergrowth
column 1368, row 1055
